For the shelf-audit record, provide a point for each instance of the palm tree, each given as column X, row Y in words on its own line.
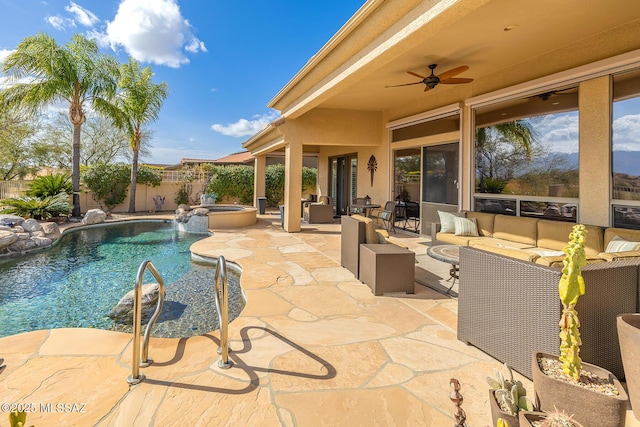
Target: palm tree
column 76, row 73
column 137, row 105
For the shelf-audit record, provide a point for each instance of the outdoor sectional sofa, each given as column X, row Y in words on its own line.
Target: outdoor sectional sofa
column 536, row 240
column 508, row 304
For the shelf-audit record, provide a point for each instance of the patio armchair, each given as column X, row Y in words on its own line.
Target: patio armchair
column 386, row 215
column 380, row 263
column 318, row 212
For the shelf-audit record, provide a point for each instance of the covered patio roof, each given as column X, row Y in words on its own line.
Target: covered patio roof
column 503, row 42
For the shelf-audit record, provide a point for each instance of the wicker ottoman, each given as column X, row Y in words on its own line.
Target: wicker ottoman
column 387, row 268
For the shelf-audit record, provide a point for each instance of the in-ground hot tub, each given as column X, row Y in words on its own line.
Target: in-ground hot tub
column 230, row 216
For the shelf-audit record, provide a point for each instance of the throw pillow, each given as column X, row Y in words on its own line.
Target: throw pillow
column 618, row 244
column 465, row 226
column 446, row 221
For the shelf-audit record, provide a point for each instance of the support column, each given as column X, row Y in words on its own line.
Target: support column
column 292, row 186
column 595, row 151
column 259, row 177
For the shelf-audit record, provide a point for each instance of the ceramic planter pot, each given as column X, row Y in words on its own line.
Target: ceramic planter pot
column 629, row 337
column 591, row 408
column 496, row 412
column 526, row 418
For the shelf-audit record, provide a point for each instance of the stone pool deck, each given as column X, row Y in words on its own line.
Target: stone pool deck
column 313, row 347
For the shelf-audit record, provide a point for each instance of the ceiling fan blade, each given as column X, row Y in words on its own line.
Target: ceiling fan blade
column 453, row 72
column 426, row 88
column 416, row 74
column 406, row 84
column 455, row 81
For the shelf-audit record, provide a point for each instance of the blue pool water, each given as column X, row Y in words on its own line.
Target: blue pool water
column 82, row 277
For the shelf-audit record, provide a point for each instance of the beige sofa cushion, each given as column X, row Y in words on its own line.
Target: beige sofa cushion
column 501, row 243
column 452, row 239
column 484, row 221
column 515, row 229
column 615, row 256
column 513, row 253
column 555, row 235
column 623, row 233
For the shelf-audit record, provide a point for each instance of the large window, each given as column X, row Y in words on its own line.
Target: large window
column 526, row 156
column 626, row 150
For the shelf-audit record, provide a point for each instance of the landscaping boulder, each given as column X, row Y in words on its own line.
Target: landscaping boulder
column 123, row 311
column 200, row 211
column 11, row 220
column 31, row 225
column 51, row 230
column 94, row 216
column 7, row 238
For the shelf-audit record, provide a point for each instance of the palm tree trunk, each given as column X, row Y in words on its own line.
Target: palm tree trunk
column 75, row 171
column 134, row 178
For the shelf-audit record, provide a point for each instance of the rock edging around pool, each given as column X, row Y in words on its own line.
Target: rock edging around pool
column 18, row 235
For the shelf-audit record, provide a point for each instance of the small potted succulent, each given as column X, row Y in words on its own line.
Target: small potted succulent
column 507, row 398
column 565, row 382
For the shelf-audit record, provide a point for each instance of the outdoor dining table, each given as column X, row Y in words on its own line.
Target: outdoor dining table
column 366, row 208
column 449, row 254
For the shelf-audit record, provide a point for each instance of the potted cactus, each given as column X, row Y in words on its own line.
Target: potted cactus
column 507, row 398
column 554, row 418
column 564, row 381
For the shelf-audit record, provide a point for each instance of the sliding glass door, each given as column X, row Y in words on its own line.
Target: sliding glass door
column 343, row 180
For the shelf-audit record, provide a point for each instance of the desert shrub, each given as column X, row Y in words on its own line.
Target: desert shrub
column 237, row 182
column 50, row 185
column 38, row 207
column 148, row 176
column 232, row 182
column 109, row 183
column 182, row 196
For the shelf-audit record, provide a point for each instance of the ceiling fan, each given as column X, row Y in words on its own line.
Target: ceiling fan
column 431, row 81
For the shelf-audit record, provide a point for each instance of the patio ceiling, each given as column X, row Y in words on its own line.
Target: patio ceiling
column 352, row 70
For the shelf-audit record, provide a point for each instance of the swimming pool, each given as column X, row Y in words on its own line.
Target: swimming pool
column 82, row 277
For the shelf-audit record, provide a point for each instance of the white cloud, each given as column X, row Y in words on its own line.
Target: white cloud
column 60, row 23
column 626, row 132
column 559, row 131
column 4, row 53
column 153, row 32
column 244, row 127
column 82, row 15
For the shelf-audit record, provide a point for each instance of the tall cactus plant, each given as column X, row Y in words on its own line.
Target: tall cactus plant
column 570, row 287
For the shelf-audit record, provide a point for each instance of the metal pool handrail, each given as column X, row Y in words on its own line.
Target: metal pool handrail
column 222, row 293
column 137, row 362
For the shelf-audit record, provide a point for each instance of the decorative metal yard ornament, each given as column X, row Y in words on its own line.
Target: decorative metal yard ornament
column 372, row 166
column 455, row 396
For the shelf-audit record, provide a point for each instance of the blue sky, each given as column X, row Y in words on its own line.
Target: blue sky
column 223, row 60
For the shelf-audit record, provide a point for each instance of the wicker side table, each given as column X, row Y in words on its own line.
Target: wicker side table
column 387, row 268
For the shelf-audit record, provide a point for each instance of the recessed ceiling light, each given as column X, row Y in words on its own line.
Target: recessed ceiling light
column 510, row 27
column 503, row 114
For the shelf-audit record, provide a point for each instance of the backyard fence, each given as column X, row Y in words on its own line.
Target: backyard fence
column 11, row 189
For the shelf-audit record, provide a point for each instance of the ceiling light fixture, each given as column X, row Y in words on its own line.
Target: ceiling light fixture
column 510, row 27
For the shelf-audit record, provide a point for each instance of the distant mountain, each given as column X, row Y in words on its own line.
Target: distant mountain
column 624, row 162
column 627, row 162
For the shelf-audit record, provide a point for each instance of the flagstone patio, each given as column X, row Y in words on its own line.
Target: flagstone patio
column 313, row 347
